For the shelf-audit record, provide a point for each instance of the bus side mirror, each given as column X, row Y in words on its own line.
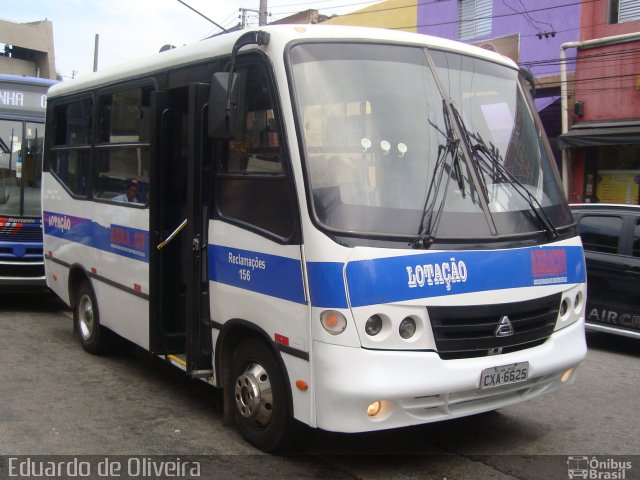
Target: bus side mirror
column 223, row 106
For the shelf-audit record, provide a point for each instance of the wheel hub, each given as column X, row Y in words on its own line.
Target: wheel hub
column 253, row 395
column 85, row 313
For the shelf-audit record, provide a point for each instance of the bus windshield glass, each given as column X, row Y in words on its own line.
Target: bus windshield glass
column 406, row 142
column 21, row 145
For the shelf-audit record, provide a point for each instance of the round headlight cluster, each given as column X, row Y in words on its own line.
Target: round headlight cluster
column 375, row 324
column 571, row 308
column 568, row 304
column 407, row 328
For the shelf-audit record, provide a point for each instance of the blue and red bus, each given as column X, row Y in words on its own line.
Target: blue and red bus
column 22, row 112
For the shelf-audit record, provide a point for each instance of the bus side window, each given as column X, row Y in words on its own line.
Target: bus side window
column 70, row 158
column 123, row 153
column 252, row 183
column 256, row 148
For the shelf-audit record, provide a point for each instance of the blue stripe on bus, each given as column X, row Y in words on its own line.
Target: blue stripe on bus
column 326, row 284
column 272, row 275
column 370, row 282
column 395, row 279
column 118, row 239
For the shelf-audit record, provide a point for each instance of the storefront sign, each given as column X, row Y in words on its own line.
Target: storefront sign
column 618, row 186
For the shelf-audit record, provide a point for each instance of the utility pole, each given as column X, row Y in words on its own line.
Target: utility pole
column 243, row 17
column 262, row 15
column 95, row 53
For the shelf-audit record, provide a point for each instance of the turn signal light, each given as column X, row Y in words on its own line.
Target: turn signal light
column 333, row 322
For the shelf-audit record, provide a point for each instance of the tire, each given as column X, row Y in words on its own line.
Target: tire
column 93, row 337
column 262, row 409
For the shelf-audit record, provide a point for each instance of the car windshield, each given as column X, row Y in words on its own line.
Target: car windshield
column 400, row 141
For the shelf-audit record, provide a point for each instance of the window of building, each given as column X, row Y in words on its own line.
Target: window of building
column 600, row 233
column 122, row 155
column 624, row 11
column 474, row 18
column 253, row 187
column 70, row 156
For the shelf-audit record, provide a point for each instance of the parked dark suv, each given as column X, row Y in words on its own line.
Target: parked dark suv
column 611, row 238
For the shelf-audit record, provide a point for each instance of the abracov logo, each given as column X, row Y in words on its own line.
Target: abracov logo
column 445, row 273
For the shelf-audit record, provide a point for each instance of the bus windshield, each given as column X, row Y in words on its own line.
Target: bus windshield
column 401, row 141
column 21, row 146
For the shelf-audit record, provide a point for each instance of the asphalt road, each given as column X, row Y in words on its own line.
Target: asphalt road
column 55, row 399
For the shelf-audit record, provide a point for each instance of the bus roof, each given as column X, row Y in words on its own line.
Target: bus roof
column 280, row 36
column 46, row 82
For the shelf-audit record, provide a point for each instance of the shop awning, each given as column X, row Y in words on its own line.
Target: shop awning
column 593, row 134
column 544, row 102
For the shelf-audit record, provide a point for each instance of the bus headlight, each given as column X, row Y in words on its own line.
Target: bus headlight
column 373, row 325
column 333, row 322
column 407, row 328
column 571, row 308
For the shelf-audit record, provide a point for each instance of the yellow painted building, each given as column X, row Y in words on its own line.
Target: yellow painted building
column 392, row 14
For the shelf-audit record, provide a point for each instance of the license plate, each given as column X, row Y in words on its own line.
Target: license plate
column 504, row 375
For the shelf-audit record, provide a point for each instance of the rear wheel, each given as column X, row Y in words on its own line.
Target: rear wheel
column 93, row 337
column 262, row 410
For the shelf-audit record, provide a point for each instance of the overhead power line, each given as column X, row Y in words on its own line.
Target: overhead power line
column 203, row 16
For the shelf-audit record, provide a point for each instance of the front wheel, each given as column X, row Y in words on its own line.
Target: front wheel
column 262, row 410
column 93, row 337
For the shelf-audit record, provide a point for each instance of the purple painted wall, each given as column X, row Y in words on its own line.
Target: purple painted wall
column 440, row 18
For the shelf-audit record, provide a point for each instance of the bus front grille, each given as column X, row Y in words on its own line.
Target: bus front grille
column 23, row 234
column 472, row 331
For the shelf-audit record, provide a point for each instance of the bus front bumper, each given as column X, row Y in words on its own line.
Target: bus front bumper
column 29, row 273
column 418, row 387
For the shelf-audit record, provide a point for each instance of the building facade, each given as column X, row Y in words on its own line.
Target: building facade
column 603, row 142
column 392, row 14
column 26, row 49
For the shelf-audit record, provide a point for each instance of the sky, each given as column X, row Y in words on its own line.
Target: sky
column 130, row 29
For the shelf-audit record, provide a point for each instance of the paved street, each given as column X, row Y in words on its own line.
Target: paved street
column 57, row 399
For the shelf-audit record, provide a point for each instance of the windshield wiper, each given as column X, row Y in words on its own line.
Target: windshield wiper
column 441, row 173
column 464, row 131
column 3, row 147
column 490, row 158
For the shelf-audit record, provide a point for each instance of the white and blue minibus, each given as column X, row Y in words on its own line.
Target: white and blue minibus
column 345, row 228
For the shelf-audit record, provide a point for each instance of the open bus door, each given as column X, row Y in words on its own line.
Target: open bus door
column 178, row 279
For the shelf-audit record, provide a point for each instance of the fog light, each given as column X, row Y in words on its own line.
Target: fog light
column 373, row 325
column 374, row 409
column 407, row 328
column 564, row 307
column 566, row 375
column 333, row 322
